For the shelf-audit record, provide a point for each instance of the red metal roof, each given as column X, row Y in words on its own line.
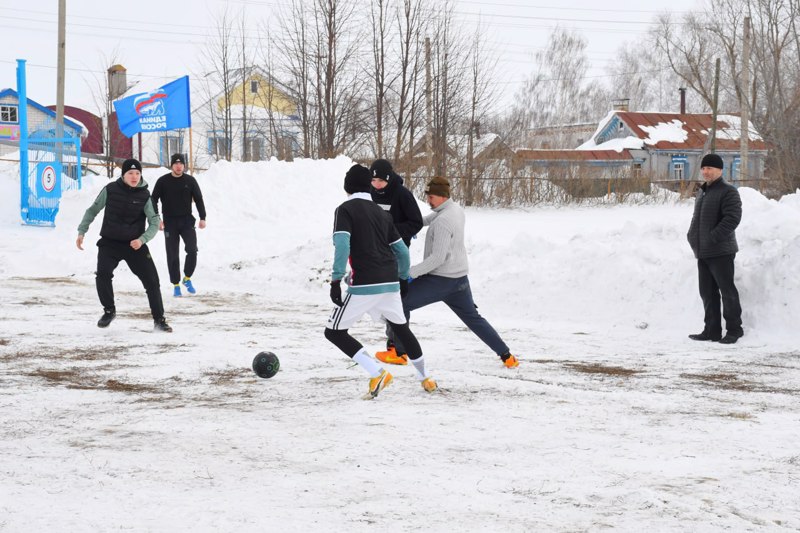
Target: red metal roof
column 697, row 127
column 574, row 155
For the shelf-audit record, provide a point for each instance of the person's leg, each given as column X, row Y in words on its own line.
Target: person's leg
column 722, row 270
column 423, row 291
column 107, row 260
column 709, row 293
column 172, row 245
column 462, row 304
column 141, row 264
column 189, row 236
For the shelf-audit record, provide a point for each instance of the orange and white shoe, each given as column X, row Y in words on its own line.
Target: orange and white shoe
column 390, row 357
column 429, row 385
column 376, row 385
column 511, row 361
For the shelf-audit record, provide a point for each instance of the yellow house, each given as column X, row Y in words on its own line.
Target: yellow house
column 258, row 91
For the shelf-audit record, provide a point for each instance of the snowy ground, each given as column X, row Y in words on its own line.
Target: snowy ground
column 613, row 420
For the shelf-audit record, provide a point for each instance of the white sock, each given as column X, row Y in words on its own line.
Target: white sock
column 419, row 366
column 368, row 363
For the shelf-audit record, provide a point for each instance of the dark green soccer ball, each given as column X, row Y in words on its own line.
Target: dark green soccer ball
column 266, row 365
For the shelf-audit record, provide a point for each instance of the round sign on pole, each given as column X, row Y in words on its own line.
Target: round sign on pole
column 48, row 178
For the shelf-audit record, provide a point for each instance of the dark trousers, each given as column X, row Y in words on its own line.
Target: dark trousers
column 715, row 275
column 141, row 264
column 175, row 229
column 457, row 295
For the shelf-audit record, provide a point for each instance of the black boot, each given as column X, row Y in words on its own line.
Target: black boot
column 705, row 337
column 160, row 324
column 729, row 338
column 105, row 320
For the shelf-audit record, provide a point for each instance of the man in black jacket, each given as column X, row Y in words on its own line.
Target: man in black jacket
column 389, row 193
column 176, row 191
column 712, row 236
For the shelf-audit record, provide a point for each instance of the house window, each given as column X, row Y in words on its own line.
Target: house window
column 637, row 170
column 678, row 168
column 255, row 148
column 254, row 86
column 218, row 145
column 8, row 113
column 169, row 145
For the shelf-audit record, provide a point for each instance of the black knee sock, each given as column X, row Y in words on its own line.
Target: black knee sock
column 343, row 340
column 407, row 340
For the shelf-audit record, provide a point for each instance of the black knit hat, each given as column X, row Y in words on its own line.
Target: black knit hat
column 129, row 164
column 712, row 160
column 382, row 169
column 357, row 179
column 176, row 158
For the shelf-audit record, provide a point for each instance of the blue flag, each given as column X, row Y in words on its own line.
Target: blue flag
column 166, row 108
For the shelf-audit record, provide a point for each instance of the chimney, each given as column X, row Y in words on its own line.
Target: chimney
column 117, row 81
column 683, row 100
column 621, row 104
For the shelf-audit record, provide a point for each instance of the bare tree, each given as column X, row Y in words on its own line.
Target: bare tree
column 557, row 93
column 221, row 78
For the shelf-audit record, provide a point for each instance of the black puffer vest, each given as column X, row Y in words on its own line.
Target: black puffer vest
column 124, row 218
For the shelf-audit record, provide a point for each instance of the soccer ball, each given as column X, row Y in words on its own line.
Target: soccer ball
column 266, row 365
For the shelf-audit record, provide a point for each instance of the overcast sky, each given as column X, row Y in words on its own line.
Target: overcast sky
column 158, row 38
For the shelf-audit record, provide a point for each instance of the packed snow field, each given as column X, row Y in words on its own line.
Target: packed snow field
column 614, row 419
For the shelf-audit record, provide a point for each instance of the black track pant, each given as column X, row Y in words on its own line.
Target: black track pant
column 175, row 229
column 346, row 343
column 139, row 261
column 715, row 275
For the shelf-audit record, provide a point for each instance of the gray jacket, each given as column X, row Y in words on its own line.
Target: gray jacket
column 717, row 213
column 445, row 253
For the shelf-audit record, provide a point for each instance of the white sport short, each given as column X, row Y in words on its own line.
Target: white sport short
column 384, row 306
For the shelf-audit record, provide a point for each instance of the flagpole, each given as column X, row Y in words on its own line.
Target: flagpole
column 191, row 151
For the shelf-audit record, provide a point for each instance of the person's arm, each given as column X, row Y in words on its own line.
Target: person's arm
column 155, row 196
column 403, row 258
column 197, row 196
column 430, row 217
column 731, row 209
column 153, row 222
column 413, row 216
column 90, row 214
column 442, row 238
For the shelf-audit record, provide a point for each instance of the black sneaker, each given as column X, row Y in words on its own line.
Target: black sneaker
column 705, row 337
column 105, row 320
column 161, row 325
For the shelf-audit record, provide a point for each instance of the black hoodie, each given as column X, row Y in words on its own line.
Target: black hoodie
column 402, row 206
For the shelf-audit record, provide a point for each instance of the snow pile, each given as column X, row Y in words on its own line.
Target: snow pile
column 269, row 226
column 665, row 131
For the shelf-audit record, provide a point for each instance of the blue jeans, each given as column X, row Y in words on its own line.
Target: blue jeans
column 454, row 292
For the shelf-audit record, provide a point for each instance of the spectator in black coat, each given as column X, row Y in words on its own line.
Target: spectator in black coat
column 389, row 193
column 712, row 236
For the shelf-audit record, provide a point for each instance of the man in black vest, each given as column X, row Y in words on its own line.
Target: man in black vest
column 176, row 191
column 712, row 236
column 122, row 238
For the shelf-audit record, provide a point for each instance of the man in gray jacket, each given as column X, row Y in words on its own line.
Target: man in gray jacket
column 442, row 275
column 712, row 236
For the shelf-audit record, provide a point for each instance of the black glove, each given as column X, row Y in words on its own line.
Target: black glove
column 403, row 288
column 336, row 292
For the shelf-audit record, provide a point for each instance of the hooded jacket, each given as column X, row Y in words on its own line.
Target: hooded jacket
column 126, row 210
column 401, row 205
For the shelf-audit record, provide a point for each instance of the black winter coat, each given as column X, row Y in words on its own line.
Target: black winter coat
column 402, row 205
column 717, row 213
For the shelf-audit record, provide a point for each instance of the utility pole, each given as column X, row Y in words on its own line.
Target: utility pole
column 62, row 24
column 745, row 103
column 714, row 111
column 428, row 107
